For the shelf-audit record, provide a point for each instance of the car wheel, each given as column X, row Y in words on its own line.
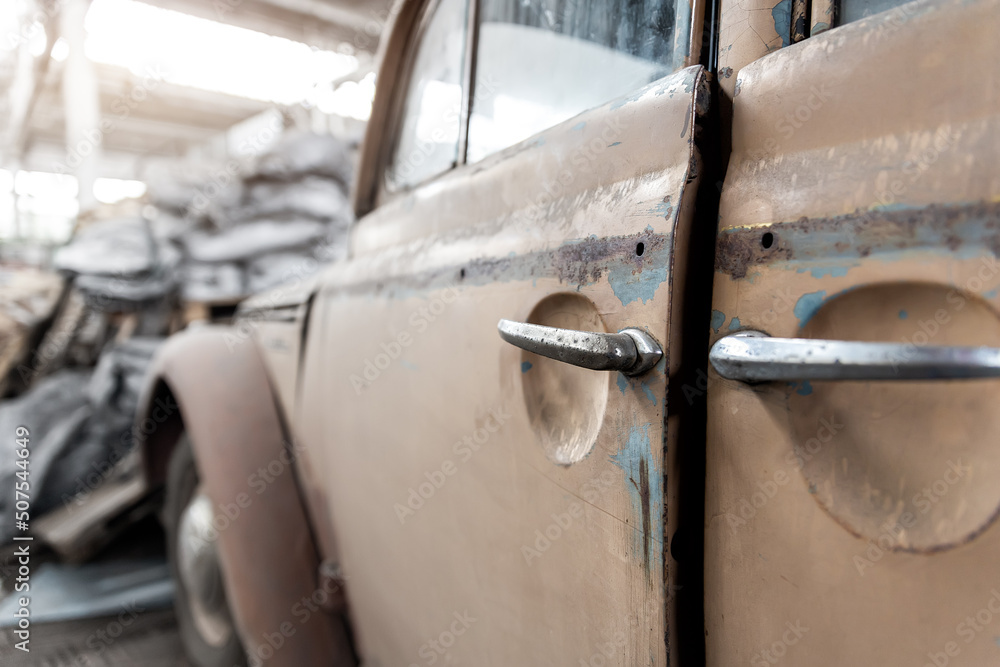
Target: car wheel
column 206, row 625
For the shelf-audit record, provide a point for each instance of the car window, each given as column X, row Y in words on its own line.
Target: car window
column 427, row 143
column 855, row 10
column 540, row 62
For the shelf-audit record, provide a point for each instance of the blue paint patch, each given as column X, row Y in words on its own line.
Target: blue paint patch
column 823, row 271
column 805, row 389
column 992, row 294
column 624, row 383
column 807, row 305
column 782, row 15
column 631, row 284
column 579, row 126
column 996, row 640
column 408, row 365
column 718, row 319
column 903, row 314
column 734, row 324
column 662, row 209
column 648, row 392
column 617, row 143
column 635, row 450
column 525, row 366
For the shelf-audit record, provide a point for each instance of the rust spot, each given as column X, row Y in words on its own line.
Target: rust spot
column 860, row 234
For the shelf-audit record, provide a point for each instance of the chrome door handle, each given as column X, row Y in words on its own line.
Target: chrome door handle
column 630, row 351
column 752, row 356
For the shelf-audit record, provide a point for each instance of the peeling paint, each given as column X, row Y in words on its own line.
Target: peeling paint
column 574, row 263
column 807, row 305
column 662, row 209
column 964, row 230
column 735, row 324
column 823, row 271
column 645, row 486
column 718, row 319
column 782, row 15
column 631, row 285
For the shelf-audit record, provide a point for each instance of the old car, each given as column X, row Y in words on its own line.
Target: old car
column 666, row 336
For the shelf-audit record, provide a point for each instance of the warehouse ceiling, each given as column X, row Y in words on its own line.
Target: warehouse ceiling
column 324, row 24
column 174, row 116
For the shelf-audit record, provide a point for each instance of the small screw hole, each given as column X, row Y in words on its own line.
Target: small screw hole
column 640, row 248
column 767, row 240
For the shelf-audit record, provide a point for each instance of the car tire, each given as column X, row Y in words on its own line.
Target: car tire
column 204, row 620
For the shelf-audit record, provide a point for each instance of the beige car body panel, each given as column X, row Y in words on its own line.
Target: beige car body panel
column 853, row 523
column 417, row 391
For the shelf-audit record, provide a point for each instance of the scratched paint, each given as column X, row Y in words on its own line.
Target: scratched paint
column 807, row 305
column 644, row 481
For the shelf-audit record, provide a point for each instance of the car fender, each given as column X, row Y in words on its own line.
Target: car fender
column 212, row 383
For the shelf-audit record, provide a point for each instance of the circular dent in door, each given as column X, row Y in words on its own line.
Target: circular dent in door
column 912, row 465
column 565, row 403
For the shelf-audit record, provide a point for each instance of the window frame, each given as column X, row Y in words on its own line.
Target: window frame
column 386, row 189
column 689, row 30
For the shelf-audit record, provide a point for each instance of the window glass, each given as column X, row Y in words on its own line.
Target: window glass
column 427, row 143
column 540, row 62
column 855, row 10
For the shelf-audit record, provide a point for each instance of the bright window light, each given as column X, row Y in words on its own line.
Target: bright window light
column 113, row 190
column 38, row 41
column 352, row 99
column 44, row 185
column 60, row 50
column 199, row 53
column 46, row 204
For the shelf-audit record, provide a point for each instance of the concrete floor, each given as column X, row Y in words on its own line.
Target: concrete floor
column 148, row 639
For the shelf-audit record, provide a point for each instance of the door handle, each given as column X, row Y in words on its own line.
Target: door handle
column 630, row 351
column 752, row 356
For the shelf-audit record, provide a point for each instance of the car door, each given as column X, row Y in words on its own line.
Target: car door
column 853, row 490
column 492, row 506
